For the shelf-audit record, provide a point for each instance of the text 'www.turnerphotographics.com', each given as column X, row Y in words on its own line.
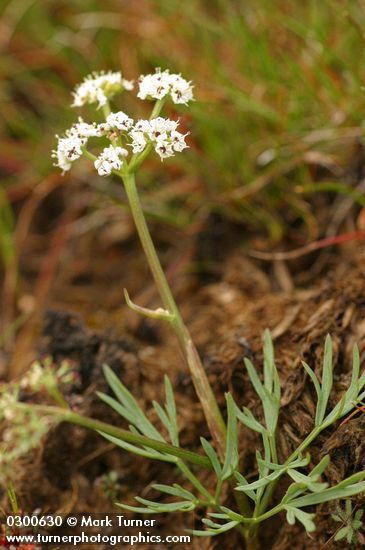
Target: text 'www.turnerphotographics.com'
column 81, row 529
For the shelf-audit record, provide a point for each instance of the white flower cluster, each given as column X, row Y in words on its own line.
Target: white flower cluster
column 99, row 87
column 161, row 132
column 110, row 159
column 46, row 374
column 117, row 121
column 69, row 148
column 33, row 378
column 22, row 430
column 8, row 403
column 160, row 84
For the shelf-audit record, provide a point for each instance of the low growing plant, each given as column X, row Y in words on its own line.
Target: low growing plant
column 221, row 454
column 306, row 488
column 351, row 524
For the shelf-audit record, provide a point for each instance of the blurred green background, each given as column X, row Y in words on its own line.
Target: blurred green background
column 279, row 89
column 276, row 131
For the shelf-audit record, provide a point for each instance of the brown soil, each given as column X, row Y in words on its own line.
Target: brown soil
column 227, row 309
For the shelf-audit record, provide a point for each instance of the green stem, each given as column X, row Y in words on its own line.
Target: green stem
column 106, row 109
column 138, row 158
column 88, row 155
column 273, row 452
column 271, row 488
column 64, row 415
column 55, row 393
column 156, row 111
column 276, row 510
column 260, row 508
column 148, row 246
column 304, row 444
column 198, row 374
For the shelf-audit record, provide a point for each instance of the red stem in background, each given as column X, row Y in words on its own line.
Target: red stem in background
column 316, row 245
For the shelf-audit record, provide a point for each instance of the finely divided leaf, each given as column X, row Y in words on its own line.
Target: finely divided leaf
column 132, row 408
column 231, row 458
column 176, row 490
column 347, row 488
column 327, row 381
column 314, row 379
column 214, row 531
column 306, row 519
column 212, row 455
column 142, row 451
column 248, row 419
column 269, row 365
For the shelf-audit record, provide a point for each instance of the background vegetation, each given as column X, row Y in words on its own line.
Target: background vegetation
column 279, row 89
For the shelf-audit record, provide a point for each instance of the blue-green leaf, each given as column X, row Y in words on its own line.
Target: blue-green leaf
column 248, row 419
column 305, row 518
column 314, row 379
column 327, row 381
column 231, row 458
column 213, row 457
column 145, row 452
column 176, row 490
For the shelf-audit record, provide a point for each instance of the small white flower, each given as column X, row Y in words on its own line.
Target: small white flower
column 161, row 126
column 154, row 86
column 139, row 141
column 181, row 90
column 7, row 406
column 140, row 135
column 142, row 126
column 161, row 132
column 33, row 378
column 68, row 150
column 84, row 130
column 163, row 148
column 119, row 121
column 178, row 141
column 161, row 84
column 99, row 87
column 110, row 160
column 128, row 84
